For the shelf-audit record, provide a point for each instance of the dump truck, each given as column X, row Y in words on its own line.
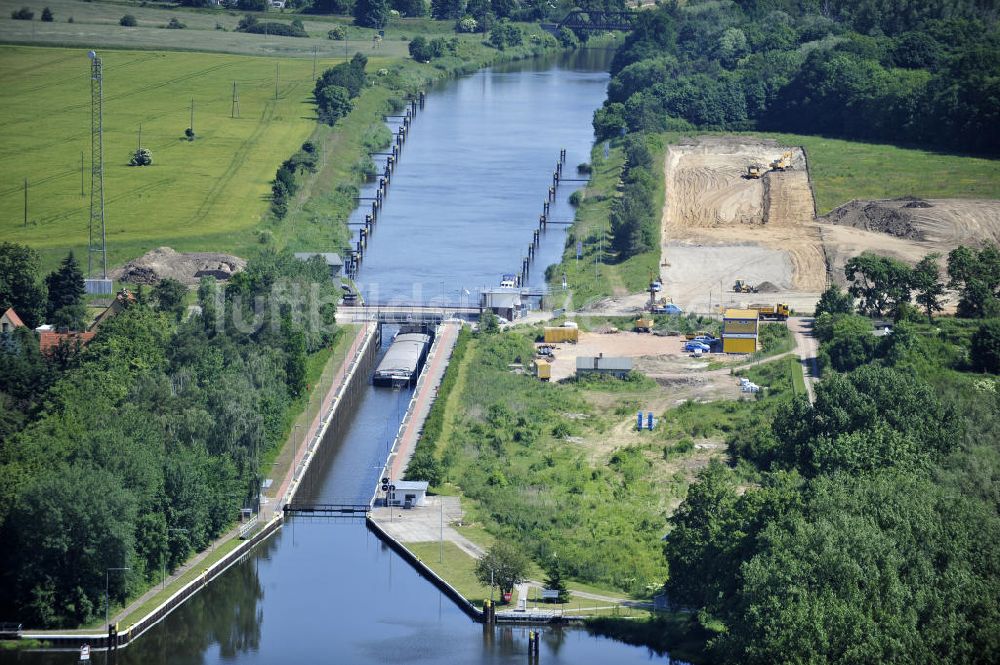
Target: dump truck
column 755, row 171
column 560, row 334
column 743, row 286
column 644, row 324
column 779, row 312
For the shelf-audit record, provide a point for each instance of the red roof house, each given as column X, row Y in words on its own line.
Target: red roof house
column 10, row 320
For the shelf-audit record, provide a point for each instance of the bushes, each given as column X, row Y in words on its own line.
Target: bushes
column 141, row 157
column 48, row 16
column 425, row 50
column 504, row 34
column 250, row 24
column 285, row 185
column 128, row 21
column 634, row 216
column 175, row 24
column 985, row 351
column 338, row 33
column 22, row 14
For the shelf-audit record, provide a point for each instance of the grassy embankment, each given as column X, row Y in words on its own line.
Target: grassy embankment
column 559, row 469
column 596, row 274
column 211, row 194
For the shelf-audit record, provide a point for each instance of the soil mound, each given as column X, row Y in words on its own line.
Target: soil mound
column 187, row 268
column 767, row 287
column 891, row 217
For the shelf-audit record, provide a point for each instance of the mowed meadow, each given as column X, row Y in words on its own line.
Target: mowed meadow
column 206, row 194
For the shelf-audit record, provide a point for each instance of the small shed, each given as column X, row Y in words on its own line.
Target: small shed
column 739, row 331
column 617, row 367
column 503, row 301
column 10, row 320
column 408, row 493
column 333, row 261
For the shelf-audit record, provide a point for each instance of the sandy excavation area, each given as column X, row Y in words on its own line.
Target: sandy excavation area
column 719, row 226
column 907, row 229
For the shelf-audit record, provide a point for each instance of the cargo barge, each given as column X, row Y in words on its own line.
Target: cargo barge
column 403, row 360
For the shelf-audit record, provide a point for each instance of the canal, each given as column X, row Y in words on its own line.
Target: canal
column 461, row 209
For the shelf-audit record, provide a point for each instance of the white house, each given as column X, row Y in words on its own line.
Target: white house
column 408, row 493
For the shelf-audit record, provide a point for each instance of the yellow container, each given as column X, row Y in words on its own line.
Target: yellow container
column 739, row 344
column 544, row 371
column 562, row 334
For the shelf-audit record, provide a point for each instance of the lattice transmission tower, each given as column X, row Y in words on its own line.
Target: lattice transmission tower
column 97, row 167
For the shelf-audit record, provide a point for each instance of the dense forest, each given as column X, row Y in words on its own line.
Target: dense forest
column 918, row 72
column 863, row 527
column 142, row 446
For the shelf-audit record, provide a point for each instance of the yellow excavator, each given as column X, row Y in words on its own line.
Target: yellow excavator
column 755, row 171
column 783, row 162
column 743, row 286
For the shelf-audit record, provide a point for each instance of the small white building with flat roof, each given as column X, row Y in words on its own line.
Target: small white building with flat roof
column 408, row 493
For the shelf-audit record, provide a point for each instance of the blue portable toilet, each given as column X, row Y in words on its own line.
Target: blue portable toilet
column 638, row 422
column 649, row 420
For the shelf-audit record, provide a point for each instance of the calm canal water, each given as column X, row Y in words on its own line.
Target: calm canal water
column 460, row 212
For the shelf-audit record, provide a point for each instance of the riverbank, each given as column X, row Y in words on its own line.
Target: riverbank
column 144, row 612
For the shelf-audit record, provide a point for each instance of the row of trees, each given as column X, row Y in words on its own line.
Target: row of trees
column 911, row 72
column 337, row 86
column 634, row 216
column 145, row 446
column 885, row 286
column 285, row 182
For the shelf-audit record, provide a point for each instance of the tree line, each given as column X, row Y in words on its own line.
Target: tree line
column 924, row 72
column 145, row 445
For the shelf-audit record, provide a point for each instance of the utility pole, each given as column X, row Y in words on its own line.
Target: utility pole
column 139, row 147
column 235, row 113
column 192, row 117
column 314, row 63
column 97, row 165
column 25, row 203
column 276, row 81
column 81, row 174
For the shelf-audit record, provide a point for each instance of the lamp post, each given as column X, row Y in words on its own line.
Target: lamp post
column 107, row 578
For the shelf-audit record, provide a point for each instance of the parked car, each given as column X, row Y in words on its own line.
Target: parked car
column 694, row 345
column 704, row 339
column 671, row 308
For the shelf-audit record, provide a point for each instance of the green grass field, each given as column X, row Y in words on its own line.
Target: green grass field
column 845, row 170
column 206, row 194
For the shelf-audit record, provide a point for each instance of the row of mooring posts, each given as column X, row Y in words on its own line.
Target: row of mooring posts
column 543, row 221
column 391, row 161
column 489, row 622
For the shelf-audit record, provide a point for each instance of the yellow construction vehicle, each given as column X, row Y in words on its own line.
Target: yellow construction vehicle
column 755, row 171
column 743, row 286
column 783, row 162
column 779, row 312
column 644, row 324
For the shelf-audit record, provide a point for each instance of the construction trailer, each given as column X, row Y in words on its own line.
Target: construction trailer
column 561, row 334
column 740, row 328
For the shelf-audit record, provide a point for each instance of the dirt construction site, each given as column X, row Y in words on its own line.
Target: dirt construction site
column 720, row 225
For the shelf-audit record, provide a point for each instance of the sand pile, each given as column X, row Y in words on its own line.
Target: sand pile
column 187, row 268
column 892, row 217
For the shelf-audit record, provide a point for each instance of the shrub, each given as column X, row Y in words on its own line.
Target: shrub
column 584, row 168
column 22, row 14
column 128, row 21
column 338, row 33
column 141, row 157
column 575, row 198
column 189, row 133
column 47, row 15
column 504, row 34
column 466, row 24
column 985, row 351
column 175, row 24
column 568, row 38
